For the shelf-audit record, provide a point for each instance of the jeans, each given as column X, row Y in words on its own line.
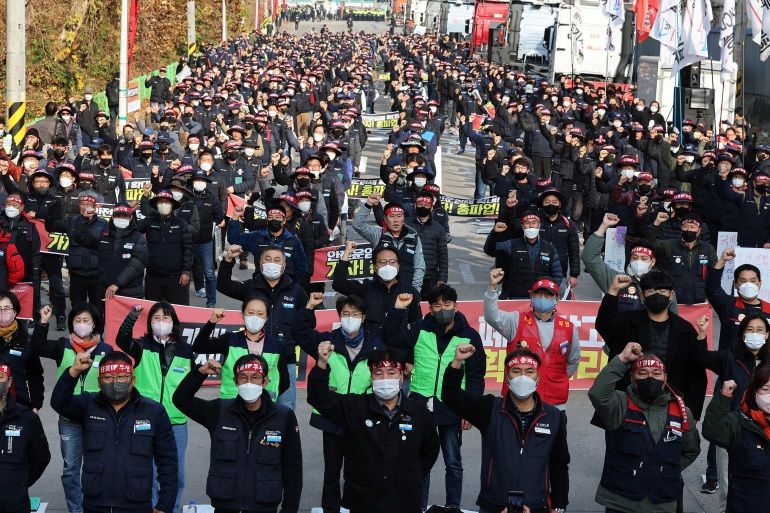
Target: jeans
column 71, row 439
column 451, row 438
column 463, row 135
column 481, row 188
column 204, row 252
column 180, row 435
column 289, row 397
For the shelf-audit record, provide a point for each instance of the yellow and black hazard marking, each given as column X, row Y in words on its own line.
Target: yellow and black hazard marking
column 192, row 48
column 15, row 124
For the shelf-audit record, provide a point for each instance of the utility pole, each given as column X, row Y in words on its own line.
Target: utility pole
column 739, row 52
column 123, row 87
column 192, row 46
column 257, row 21
column 16, row 69
column 224, row 20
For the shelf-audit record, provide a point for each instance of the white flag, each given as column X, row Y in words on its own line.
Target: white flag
column 693, row 38
column 727, row 40
column 576, row 34
column 759, row 20
column 613, row 9
column 665, row 28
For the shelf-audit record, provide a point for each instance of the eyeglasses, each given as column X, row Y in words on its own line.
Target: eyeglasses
column 6, row 309
column 119, row 379
column 347, row 315
column 387, row 262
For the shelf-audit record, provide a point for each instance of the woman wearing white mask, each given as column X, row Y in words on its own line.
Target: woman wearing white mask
column 162, row 359
column 535, row 462
column 349, row 374
column 369, row 420
column 252, row 339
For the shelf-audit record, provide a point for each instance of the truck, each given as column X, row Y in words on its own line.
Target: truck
column 489, row 15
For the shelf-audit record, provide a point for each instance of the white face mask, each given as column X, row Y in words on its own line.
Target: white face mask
column 748, row 290
column 249, row 152
column 522, row 386
column 601, row 112
column 689, row 159
column 272, row 113
column 763, row 402
column 638, row 268
column 66, row 119
column 350, row 325
column 250, row 392
column 738, row 182
column 628, row 173
column 387, row 272
column 121, row 222
column 331, row 155
column 253, row 323
column 386, row 389
column 12, row 212
column 199, row 185
column 66, row 182
column 162, row 329
column 531, row 233
column 206, row 166
column 318, row 137
column 272, row 271
column 754, row 341
column 164, row 208
column 420, row 182
column 653, row 109
column 83, row 329
column 194, row 146
column 640, row 108
column 617, row 123
column 177, row 195
column 27, row 164
column 89, row 97
column 666, row 204
column 304, row 206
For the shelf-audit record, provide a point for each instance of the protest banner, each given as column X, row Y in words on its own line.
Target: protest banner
column 54, row 242
column 581, row 313
column 236, row 201
column 384, row 76
column 361, row 188
column 326, row 260
column 727, row 240
column 104, row 210
column 135, row 188
column 615, row 248
column 24, row 293
column 384, row 120
column 486, row 207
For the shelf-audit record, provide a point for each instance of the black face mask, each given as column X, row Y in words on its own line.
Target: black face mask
column 551, row 210
column 762, row 189
column 58, row 153
column 302, row 182
column 423, row 211
column 656, row 303
column 274, row 225
column 681, row 212
column 86, row 185
column 689, row 236
column 648, row 389
column 163, row 147
column 147, row 156
column 105, row 162
column 520, row 176
column 41, row 191
column 116, row 392
column 231, row 155
column 645, row 189
column 249, row 126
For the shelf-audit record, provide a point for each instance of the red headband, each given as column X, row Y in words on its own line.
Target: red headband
column 522, row 360
column 6, row 370
column 252, row 366
column 393, row 210
column 647, row 362
column 691, row 221
column 530, row 217
column 277, row 211
column 116, row 368
column 644, row 251
column 425, row 199
column 387, row 364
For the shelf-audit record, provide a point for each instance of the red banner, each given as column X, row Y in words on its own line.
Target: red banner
column 645, row 12
column 54, row 242
column 326, row 259
column 236, row 201
column 581, row 313
column 25, row 294
column 133, row 19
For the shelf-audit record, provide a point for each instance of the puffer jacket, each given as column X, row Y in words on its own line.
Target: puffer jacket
column 434, row 248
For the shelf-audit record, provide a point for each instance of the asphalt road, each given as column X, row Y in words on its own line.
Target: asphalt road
column 469, row 269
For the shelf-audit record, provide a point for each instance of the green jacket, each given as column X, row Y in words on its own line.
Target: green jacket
column 722, row 426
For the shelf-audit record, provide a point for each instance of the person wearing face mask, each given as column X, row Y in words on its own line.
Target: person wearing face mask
column 122, row 251
column 434, row 243
column 306, row 205
column 561, row 232
column 69, row 130
column 432, row 342
column 25, row 444
column 109, row 179
column 540, row 466
column 169, row 251
column 66, row 190
column 650, row 415
column 519, row 179
column 82, row 261
column 384, row 467
column 144, row 164
column 352, row 344
column 747, row 281
column 329, row 188
column 524, row 259
column 258, row 466
column 162, row 358
column 659, row 331
column 239, row 177
column 19, row 354
column 669, row 227
column 160, row 91
column 22, row 236
column 556, row 343
column 752, row 203
column 302, row 180
column 210, row 215
column 85, row 327
column 742, row 435
column 689, row 260
column 87, row 111
column 147, row 439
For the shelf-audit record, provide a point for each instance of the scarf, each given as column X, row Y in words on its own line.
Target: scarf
column 8, row 332
column 355, row 341
column 80, row 345
column 757, row 416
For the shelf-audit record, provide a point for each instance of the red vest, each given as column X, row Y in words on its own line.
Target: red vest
column 553, row 386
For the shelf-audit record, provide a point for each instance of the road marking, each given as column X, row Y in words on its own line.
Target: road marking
column 465, row 270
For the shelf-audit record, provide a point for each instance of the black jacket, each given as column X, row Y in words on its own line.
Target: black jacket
column 159, row 88
column 210, row 214
column 434, row 248
column 81, row 260
column 385, row 460
column 119, row 449
column 685, row 357
column 24, row 455
column 169, row 245
column 26, row 370
column 562, row 233
column 256, row 459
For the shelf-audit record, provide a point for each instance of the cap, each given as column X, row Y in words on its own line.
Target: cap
column 682, row 197
column 545, row 284
column 122, row 208
column 163, row 195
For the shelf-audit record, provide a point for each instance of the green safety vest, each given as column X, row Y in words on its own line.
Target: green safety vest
column 227, row 387
column 89, row 381
column 345, row 382
column 429, row 365
column 151, row 383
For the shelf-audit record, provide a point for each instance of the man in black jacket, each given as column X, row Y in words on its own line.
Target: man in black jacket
column 118, row 476
column 561, row 232
column 24, row 446
column 256, row 454
column 538, row 428
column 210, row 215
column 390, row 442
column 658, row 331
column 434, row 243
column 160, row 88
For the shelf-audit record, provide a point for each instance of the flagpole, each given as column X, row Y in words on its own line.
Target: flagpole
column 677, row 79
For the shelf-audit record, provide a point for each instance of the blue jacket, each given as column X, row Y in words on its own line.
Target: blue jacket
column 256, row 242
column 119, row 449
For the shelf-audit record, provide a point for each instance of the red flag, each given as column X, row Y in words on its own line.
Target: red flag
column 646, row 11
column 133, row 18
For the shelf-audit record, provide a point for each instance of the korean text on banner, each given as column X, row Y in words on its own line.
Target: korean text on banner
column 615, row 248
column 362, row 188
column 326, row 260
column 55, row 242
column 727, row 240
column 384, row 120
